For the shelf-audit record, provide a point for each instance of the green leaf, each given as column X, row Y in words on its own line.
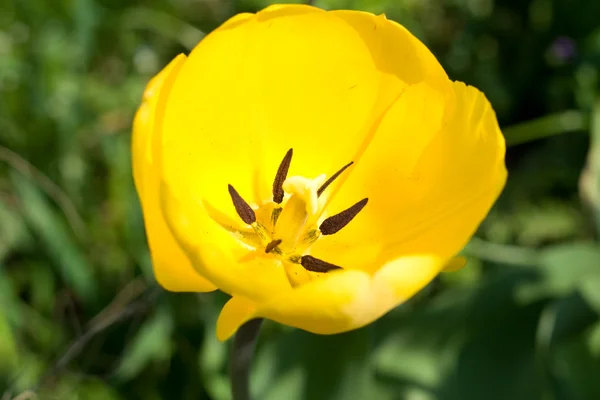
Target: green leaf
column 301, row 365
column 163, row 24
column 13, row 231
column 590, row 289
column 213, row 360
column 590, row 177
column 546, row 126
column 42, row 285
column 8, row 345
column 56, row 239
column 565, row 269
column 594, row 340
column 152, row 343
column 465, row 344
column 74, row 387
column 566, row 266
column 576, row 371
column 565, row 318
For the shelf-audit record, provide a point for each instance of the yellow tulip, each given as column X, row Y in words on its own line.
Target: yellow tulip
column 235, row 148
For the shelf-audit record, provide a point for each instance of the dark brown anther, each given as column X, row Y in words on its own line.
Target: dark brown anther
column 243, row 209
column 280, row 176
column 332, row 178
column 271, row 246
column 313, row 264
column 336, row 222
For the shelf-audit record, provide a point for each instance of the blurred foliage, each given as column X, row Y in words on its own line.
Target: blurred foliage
column 81, row 316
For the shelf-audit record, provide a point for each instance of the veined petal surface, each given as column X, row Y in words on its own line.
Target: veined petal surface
column 431, row 172
column 172, row 268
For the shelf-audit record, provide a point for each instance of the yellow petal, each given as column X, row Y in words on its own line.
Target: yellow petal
column 235, row 312
column 171, row 267
column 248, row 94
column 395, row 50
column 340, row 301
column 431, row 173
column 291, row 77
column 282, row 10
column 219, row 255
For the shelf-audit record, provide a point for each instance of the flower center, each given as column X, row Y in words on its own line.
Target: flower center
column 287, row 226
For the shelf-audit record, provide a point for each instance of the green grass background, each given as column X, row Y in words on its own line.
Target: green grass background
column 81, row 316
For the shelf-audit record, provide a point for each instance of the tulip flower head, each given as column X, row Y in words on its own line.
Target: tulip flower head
column 318, row 166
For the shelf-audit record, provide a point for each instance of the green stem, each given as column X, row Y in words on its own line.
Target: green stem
column 549, row 125
column 244, row 344
column 163, row 24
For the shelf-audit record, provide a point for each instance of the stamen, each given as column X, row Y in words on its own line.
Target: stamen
column 275, row 215
column 311, row 236
column 336, row 222
column 243, row 209
column 332, row 178
column 280, row 176
column 313, row 264
column 271, row 246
